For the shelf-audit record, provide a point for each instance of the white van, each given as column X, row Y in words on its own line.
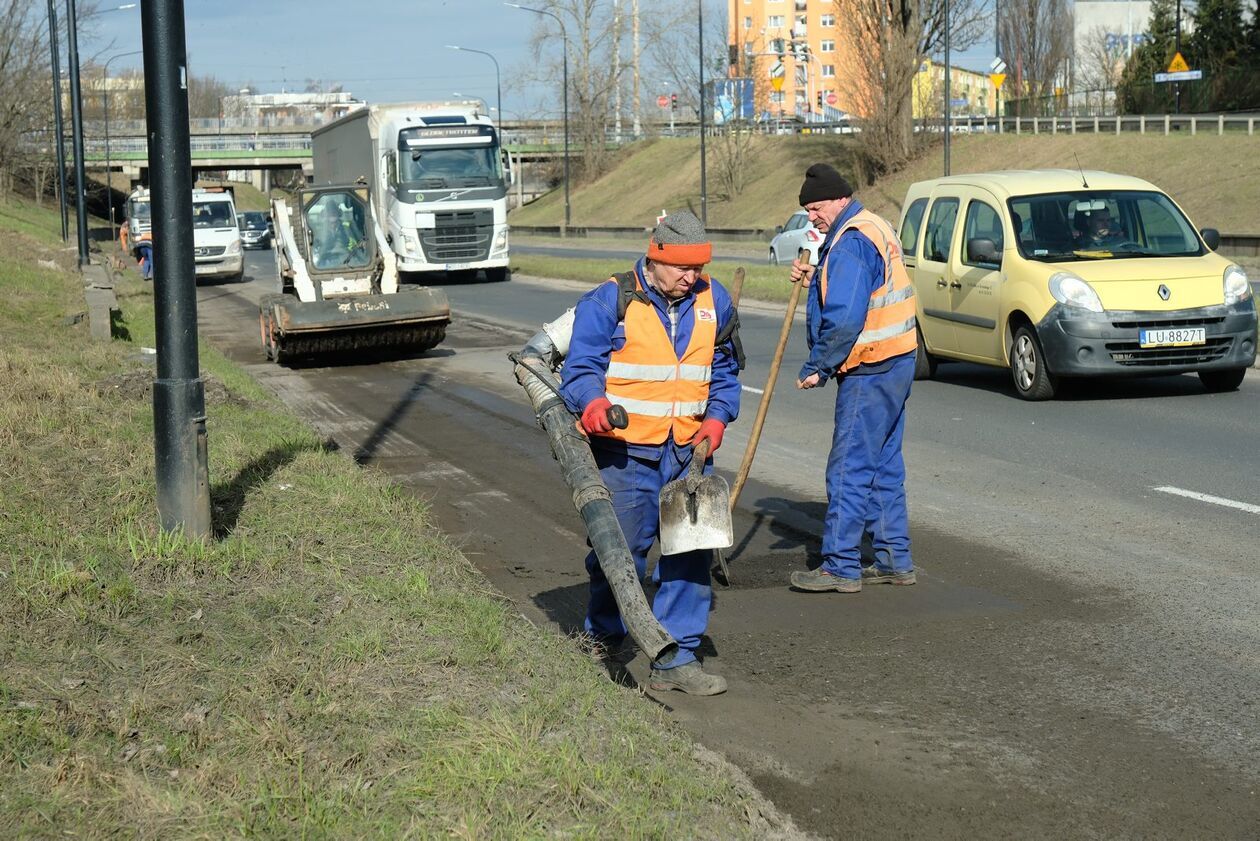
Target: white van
column 216, row 236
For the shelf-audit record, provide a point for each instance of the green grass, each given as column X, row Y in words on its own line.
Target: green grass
column 1211, row 177
column 761, row 282
column 328, row 666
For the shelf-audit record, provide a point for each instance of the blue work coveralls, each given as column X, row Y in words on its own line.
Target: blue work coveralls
column 865, row 471
column 635, row 473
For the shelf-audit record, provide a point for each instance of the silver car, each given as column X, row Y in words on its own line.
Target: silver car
column 792, row 236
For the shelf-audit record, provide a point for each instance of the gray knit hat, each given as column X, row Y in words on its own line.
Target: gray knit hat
column 680, row 240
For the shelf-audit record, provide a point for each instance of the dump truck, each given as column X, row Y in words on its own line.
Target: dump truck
column 339, row 291
column 438, row 177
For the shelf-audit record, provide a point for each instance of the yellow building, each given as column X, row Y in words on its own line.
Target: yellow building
column 971, row 93
column 795, row 53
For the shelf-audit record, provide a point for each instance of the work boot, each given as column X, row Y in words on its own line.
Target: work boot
column 820, row 581
column 875, row 575
column 691, row 678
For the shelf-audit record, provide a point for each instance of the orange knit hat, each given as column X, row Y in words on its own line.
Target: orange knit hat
column 680, row 240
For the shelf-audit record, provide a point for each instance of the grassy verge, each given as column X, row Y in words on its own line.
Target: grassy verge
column 328, row 666
column 761, row 282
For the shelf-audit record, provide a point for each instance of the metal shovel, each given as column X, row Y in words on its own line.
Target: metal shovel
column 696, row 509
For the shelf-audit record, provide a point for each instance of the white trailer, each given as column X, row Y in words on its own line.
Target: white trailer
column 437, row 177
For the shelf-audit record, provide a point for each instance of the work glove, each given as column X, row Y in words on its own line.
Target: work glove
column 595, row 416
column 712, row 429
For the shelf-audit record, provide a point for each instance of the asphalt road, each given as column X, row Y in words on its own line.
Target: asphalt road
column 1081, row 657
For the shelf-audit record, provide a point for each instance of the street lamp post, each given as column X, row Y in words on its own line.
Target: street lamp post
column 498, row 88
column 53, row 38
column 76, row 122
column 704, row 192
column 109, row 185
column 565, row 36
column 947, row 92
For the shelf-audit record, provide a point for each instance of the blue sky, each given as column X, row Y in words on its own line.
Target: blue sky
column 379, row 50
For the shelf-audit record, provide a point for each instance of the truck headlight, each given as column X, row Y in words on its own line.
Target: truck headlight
column 501, row 240
column 234, row 247
column 1237, row 286
column 1071, row 290
column 409, row 242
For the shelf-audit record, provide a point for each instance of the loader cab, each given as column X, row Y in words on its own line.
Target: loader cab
column 337, row 228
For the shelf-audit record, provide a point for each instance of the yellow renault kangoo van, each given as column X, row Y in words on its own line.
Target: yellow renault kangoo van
column 1063, row 273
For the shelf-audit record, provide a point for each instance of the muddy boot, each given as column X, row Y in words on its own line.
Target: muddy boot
column 690, row 678
column 818, row 581
column 875, row 575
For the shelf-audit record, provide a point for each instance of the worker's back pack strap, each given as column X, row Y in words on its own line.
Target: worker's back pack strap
column 628, row 290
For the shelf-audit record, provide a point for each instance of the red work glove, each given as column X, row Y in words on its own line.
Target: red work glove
column 712, row 429
column 595, row 416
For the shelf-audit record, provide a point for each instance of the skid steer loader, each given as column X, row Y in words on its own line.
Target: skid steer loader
column 339, row 284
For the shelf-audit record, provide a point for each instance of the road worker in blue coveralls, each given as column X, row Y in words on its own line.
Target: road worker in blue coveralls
column 663, row 362
column 860, row 329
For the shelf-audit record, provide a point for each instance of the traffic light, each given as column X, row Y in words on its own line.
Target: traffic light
column 820, row 99
column 673, row 101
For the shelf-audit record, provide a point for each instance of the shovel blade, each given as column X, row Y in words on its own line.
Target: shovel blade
column 696, row 521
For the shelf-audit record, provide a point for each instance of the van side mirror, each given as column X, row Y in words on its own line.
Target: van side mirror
column 1211, row 237
column 983, row 250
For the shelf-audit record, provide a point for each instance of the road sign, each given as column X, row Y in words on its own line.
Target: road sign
column 662, row 101
column 997, row 79
column 1178, row 64
column 1183, row 76
column 832, row 99
column 997, row 67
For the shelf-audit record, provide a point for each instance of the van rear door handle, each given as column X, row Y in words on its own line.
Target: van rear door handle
column 953, row 284
column 940, row 284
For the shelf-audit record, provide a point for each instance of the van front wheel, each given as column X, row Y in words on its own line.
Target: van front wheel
column 1218, row 381
column 1033, row 380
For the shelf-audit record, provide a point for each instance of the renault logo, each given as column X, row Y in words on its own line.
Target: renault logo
column 1164, row 292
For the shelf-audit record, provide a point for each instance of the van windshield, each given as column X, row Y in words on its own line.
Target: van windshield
column 1101, row 225
column 141, row 209
column 213, row 214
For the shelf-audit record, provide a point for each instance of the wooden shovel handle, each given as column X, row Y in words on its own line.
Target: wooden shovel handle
column 764, row 407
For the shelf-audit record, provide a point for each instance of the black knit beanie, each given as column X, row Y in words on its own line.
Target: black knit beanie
column 823, row 183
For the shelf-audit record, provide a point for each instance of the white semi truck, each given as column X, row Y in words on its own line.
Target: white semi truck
column 437, row 177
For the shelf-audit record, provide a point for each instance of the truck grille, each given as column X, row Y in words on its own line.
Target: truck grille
column 459, row 236
column 1132, row 353
column 209, row 251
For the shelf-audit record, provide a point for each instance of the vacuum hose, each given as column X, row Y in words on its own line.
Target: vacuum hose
column 533, row 368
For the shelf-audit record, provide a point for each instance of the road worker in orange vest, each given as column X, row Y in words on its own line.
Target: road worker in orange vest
column 860, row 327
column 657, row 342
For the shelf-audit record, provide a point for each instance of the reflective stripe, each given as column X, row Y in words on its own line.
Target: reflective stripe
column 894, row 297
column 869, row 336
column 657, row 409
column 699, row 373
column 632, row 371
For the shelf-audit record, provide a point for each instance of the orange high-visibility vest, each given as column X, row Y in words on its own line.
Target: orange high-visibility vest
column 889, row 327
column 659, row 391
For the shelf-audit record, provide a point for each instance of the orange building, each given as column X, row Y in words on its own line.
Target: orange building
column 795, row 53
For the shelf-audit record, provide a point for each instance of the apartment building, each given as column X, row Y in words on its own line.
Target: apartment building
column 795, row 53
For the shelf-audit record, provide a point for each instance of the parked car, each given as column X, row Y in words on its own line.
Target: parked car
column 256, row 231
column 792, row 236
column 1062, row 273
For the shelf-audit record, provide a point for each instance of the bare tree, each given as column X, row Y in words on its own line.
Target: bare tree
column 674, row 36
column 893, row 37
column 1035, row 38
column 1100, row 64
column 25, row 78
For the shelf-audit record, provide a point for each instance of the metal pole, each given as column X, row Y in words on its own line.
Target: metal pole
column 567, row 214
column 54, row 36
column 638, row 114
column 704, row 190
column 76, row 118
column 947, row 94
column 1177, row 85
column 498, row 86
column 179, row 407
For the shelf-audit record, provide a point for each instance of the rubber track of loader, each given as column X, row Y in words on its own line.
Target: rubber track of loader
column 414, row 338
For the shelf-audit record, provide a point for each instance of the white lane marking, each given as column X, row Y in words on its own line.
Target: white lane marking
column 1215, row 500
column 753, row 390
